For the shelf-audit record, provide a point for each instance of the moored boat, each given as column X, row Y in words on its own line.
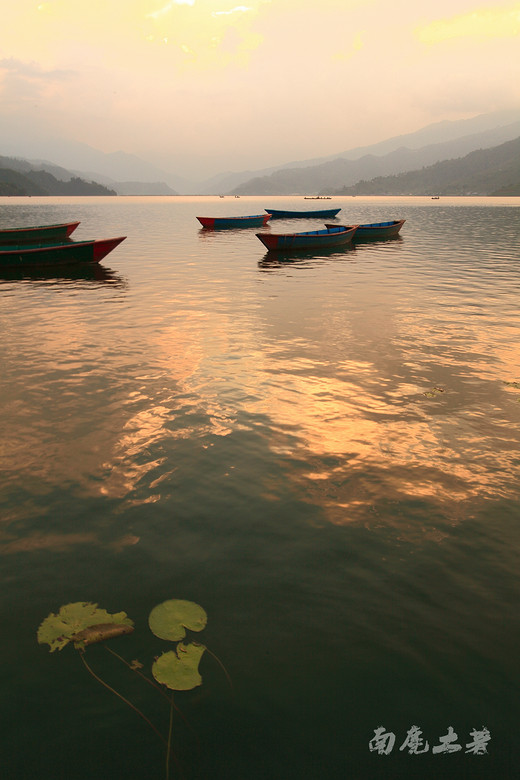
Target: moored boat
column 28, row 235
column 377, row 230
column 72, row 252
column 283, row 214
column 253, row 220
column 334, row 235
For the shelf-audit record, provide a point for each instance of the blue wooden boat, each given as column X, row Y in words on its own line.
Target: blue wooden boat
column 64, row 253
column 321, row 213
column 29, row 235
column 255, row 220
column 377, row 230
column 333, row 235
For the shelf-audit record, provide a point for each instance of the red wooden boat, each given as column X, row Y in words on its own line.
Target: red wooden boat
column 72, row 252
column 255, row 220
column 334, row 235
column 28, row 235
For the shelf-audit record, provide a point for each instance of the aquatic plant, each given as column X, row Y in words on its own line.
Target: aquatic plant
column 83, row 624
column 434, row 392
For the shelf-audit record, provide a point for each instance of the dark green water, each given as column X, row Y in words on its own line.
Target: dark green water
column 323, row 452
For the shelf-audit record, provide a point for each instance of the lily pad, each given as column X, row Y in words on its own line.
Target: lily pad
column 170, row 619
column 57, row 630
column 179, row 670
column 435, row 391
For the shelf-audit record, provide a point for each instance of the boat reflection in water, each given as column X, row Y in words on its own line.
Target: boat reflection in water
column 86, row 272
column 275, row 260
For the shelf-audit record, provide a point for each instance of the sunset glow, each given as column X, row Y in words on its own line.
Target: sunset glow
column 96, row 69
column 497, row 22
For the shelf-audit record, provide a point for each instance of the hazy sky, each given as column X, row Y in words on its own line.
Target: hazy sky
column 252, row 85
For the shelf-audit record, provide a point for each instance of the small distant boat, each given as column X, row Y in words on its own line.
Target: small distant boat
column 435, row 197
column 377, row 230
column 326, row 213
column 317, row 197
column 254, row 220
column 73, row 252
column 27, row 235
column 311, row 239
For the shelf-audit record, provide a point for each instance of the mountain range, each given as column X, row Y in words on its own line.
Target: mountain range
column 79, row 167
column 339, row 172
column 494, row 171
column 19, row 177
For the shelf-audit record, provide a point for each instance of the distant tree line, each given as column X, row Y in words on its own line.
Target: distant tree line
column 494, row 171
column 36, row 182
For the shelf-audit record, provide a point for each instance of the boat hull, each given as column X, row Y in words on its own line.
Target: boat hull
column 321, row 213
column 215, row 223
column 377, row 230
column 311, row 239
column 37, row 234
column 69, row 253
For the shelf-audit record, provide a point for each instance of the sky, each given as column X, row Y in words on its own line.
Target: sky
column 199, row 87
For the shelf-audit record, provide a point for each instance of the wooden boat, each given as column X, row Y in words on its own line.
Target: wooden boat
column 326, row 213
column 33, row 256
column 333, row 235
column 377, row 230
column 255, row 220
column 28, row 235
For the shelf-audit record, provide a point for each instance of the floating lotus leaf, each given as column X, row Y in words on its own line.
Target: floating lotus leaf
column 170, row 619
column 179, row 670
column 70, row 624
column 434, row 392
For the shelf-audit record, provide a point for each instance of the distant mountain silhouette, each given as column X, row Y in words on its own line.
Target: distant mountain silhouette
column 18, row 178
column 340, row 172
column 129, row 174
column 494, row 171
column 37, row 177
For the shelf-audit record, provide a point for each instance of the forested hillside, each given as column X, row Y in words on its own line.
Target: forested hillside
column 40, row 182
column 493, row 171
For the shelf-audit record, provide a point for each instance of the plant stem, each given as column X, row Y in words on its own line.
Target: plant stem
column 168, row 747
column 165, row 696
column 133, row 707
column 137, row 671
column 217, row 659
column 150, row 682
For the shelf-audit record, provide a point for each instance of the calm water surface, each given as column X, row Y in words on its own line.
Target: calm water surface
column 323, row 451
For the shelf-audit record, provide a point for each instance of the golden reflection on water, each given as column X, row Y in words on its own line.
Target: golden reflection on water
column 360, row 431
column 348, row 393
column 10, row 544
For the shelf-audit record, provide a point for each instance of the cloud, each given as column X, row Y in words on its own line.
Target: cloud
column 168, row 7
column 210, row 36
column 33, row 71
column 346, row 54
column 27, row 83
column 503, row 22
column 237, row 9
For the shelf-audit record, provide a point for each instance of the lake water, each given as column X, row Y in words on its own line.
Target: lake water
column 322, row 451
